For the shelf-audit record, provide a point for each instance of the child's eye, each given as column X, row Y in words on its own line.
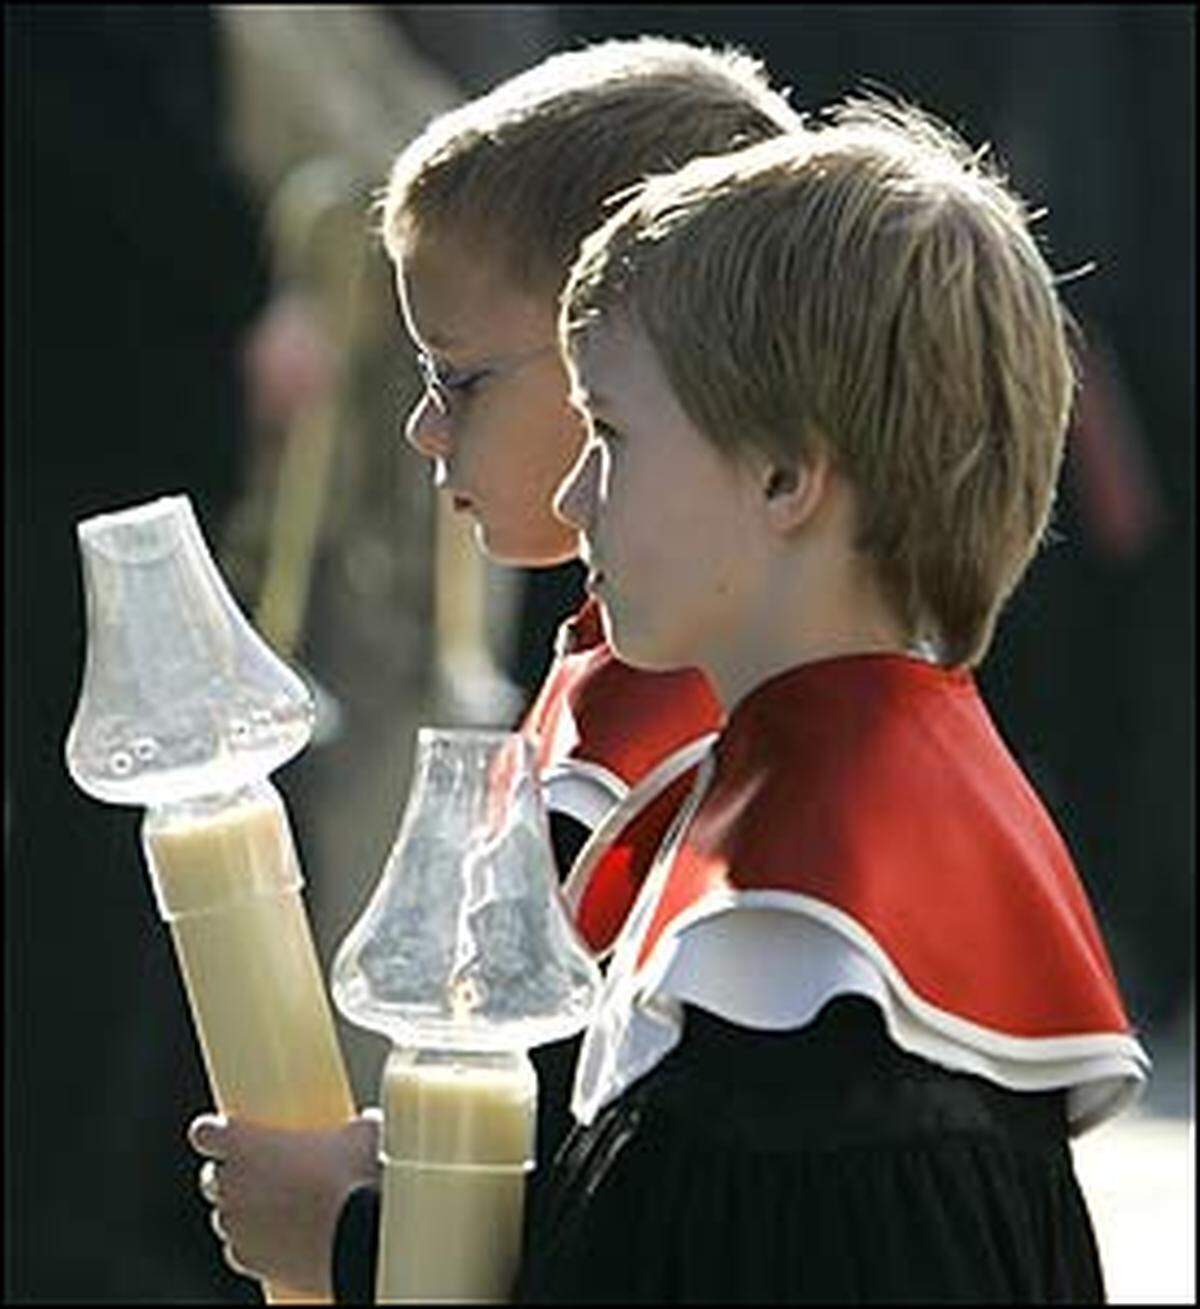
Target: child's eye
column 605, row 431
column 463, row 383
column 458, row 385
column 447, row 385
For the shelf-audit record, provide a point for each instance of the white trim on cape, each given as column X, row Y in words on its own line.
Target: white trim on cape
column 633, row 801
column 584, row 790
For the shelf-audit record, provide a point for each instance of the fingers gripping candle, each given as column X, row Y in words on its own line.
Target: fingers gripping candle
column 465, row 957
column 186, row 711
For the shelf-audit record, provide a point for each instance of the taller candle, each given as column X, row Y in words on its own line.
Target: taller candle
column 185, row 710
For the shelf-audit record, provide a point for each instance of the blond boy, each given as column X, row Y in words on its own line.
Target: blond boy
column 861, row 1001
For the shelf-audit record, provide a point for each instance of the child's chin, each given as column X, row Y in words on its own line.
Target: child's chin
column 632, row 644
column 522, row 552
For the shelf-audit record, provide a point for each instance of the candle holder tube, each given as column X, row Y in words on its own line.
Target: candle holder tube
column 185, row 711
column 466, row 958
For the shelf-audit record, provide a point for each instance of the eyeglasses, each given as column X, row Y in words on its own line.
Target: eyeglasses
column 447, row 388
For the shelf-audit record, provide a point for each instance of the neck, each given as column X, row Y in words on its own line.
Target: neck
column 797, row 624
column 736, row 679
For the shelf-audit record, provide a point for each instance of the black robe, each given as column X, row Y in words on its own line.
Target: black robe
column 820, row 1165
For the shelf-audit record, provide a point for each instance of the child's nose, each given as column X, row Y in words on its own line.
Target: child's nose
column 576, row 496
column 427, row 429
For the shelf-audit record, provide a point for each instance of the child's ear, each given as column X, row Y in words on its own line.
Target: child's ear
column 794, row 491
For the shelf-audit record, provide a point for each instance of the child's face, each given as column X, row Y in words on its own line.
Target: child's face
column 670, row 527
column 495, row 417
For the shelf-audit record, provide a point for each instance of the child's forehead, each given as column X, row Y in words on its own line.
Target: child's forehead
column 454, row 261
column 461, row 252
column 605, row 349
column 613, row 366
column 456, row 287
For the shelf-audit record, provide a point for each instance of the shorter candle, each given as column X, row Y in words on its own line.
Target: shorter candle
column 458, row 1141
column 465, row 958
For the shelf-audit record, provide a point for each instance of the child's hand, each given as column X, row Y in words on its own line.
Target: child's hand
column 276, row 1193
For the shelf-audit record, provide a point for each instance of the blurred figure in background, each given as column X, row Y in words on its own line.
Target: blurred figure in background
column 133, row 268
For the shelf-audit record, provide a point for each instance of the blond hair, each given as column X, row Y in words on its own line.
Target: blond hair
column 869, row 287
column 524, row 171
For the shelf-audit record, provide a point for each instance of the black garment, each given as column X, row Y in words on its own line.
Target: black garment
column 555, row 1063
column 816, row 1166
column 356, row 1248
column 356, row 1238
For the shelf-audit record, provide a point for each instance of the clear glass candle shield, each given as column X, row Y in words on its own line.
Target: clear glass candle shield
column 180, row 697
column 466, row 943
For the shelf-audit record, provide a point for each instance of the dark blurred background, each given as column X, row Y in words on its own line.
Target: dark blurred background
column 188, row 279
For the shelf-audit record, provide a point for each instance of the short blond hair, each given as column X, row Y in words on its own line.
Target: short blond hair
column 524, row 171
column 870, row 287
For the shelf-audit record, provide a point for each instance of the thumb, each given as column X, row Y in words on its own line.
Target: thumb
column 208, row 1134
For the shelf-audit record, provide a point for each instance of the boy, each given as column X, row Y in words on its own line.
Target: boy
column 481, row 218
column 860, row 1001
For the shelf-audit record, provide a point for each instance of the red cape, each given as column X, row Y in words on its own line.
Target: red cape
column 878, row 787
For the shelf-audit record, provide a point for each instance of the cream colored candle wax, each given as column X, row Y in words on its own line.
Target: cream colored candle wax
column 228, row 882
column 458, row 1143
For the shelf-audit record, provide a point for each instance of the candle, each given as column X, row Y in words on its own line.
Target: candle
column 458, row 1142
column 228, row 882
column 186, row 711
column 466, row 959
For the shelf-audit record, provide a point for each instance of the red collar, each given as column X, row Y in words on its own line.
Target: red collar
column 875, row 792
column 593, row 709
